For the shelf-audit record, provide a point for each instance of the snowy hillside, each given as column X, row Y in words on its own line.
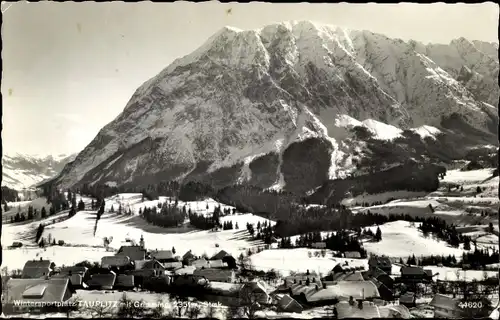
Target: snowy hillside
column 399, row 238
column 23, row 171
column 248, row 103
column 77, row 231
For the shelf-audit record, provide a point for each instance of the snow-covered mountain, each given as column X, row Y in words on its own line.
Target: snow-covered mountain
column 294, row 104
column 21, row 171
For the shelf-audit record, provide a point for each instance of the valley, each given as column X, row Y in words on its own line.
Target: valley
column 292, row 169
column 122, row 223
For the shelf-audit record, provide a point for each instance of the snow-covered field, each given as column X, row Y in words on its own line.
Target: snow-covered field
column 60, row 255
column 297, row 260
column 81, row 244
column 382, row 197
column 399, row 239
column 461, row 207
column 450, row 274
column 468, row 177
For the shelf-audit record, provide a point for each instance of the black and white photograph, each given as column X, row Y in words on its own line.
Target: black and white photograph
column 229, row 160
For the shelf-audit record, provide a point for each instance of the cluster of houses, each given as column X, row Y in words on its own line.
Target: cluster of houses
column 353, row 290
column 132, row 267
column 357, row 292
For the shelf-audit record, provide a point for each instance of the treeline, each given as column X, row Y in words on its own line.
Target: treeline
column 303, row 221
column 200, row 221
column 9, row 195
column 268, row 203
column 479, row 258
column 58, row 203
column 121, row 211
column 168, row 216
column 57, row 199
column 264, row 231
column 150, row 192
column 31, row 214
column 340, row 241
column 476, row 260
column 443, row 231
column 410, row 176
column 195, row 191
column 203, row 222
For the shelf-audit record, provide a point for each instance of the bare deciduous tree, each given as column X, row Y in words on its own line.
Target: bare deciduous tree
column 158, row 312
column 210, row 313
column 234, row 312
column 193, row 311
column 248, row 301
column 100, row 309
column 71, row 306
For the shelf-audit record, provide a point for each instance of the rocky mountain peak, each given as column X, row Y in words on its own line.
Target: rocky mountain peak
column 248, row 94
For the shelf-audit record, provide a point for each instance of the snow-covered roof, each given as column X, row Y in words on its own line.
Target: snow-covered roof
column 368, row 310
column 444, row 302
column 346, row 289
column 162, row 254
column 51, row 290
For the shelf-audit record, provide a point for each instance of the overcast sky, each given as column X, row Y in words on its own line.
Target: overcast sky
column 70, row 68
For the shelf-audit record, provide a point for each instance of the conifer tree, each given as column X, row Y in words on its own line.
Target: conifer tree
column 378, row 234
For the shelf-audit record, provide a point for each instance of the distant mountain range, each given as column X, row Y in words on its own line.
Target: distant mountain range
column 295, row 104
column 24, row 171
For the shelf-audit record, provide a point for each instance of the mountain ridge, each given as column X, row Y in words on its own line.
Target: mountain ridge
column 246, row 94
column 20, row 171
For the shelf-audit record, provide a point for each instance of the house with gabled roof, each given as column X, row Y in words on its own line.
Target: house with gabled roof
column 149, row 268
column 35, row 290
column 172, row 265
column 208, row 264
column 219, row 275
column 381, row 262
column 312, row 276
column 219, row 255
column 124, row 282
column 445, row 307
column 342, row 290
column 115, row 261
column 286, row 303
column 414, row 274
column 163, row 255
column 103, row 281
column 76, row 280
column 256, row 289
column 384, row 292
column 188, row 258
column 344, row 276
column 408, row 299
column 34, row 269
column 189, row 280
column 379, row 275
column 133, row 252
column 74, row 270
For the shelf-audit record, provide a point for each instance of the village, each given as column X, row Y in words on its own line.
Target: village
column 232, row 282
column 116, row 257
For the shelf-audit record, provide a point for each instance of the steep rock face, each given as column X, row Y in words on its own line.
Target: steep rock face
column 473, row 63
column 247, row 105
